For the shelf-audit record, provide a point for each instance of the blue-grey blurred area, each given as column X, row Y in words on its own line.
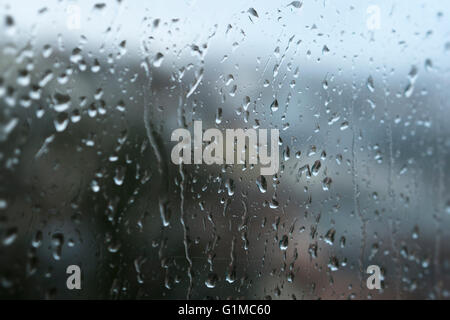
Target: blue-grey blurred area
column 90, row 93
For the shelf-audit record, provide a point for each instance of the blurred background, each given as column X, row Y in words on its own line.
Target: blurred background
column 90, row 93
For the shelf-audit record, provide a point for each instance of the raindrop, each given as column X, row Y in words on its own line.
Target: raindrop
column 94, row 186
column 333, row 264
column 329, row 236
column 262, row 184
column 158, row 60
column 415, row 233
column 296, row 4
column 370, row 84
column 61, row 121
column 76, row 56
column 37, row 240
column 57, row 243
column 47, row 51
column 119, row 176
column 284, row 242
column 10, row 236
column 219, row 115
column 229, row 184
column 253, row 12
column 23, row 78
column 274, row 105
column 10, row 25
column 62, row 102
column 326, row 183
column 211, row 281
column 344, row 125
column 315, row 168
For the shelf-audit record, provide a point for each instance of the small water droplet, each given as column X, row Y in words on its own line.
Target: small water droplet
column 253, row 12
column 274, row 105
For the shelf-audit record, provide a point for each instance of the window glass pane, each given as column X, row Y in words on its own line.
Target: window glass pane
column 349, row 104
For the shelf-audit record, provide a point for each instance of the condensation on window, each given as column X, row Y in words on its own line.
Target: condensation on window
column 91, row 93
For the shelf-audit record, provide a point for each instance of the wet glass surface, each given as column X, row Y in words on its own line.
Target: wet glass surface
column 90, row 94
